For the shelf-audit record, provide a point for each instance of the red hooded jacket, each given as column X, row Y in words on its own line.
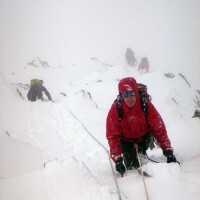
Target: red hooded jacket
column 144, row 64
column 133, row 124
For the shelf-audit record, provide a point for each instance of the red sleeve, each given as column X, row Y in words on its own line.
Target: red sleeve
column 113, row 132
column 157, row 127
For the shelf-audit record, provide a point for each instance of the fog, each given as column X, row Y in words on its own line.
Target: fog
column 58, row 150
column 67, row 32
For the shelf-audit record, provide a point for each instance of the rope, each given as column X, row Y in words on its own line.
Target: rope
column 160, row 162
column 90, row 134
column 136, row 147
column 151, row 159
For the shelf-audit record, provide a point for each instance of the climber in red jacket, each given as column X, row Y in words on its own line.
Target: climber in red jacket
column 144, row 64
column 134, row 128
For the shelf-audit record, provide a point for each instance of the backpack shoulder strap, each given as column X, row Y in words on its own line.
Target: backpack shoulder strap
column 144, row 103
column 119, row 107
column 144, row 96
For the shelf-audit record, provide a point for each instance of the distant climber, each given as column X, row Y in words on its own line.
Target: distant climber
column 36, row 91
column 144, row 64
column 130, row 57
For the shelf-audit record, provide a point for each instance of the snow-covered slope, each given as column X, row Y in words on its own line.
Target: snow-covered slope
column 59, row 150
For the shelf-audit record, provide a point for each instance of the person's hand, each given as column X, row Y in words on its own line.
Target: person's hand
column 119, row 166
column 170, row 156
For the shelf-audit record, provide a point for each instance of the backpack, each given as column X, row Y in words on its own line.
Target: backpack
column 36, row 82
column 144, row 96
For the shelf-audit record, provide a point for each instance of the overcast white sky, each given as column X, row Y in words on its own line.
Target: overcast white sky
column 68, row 31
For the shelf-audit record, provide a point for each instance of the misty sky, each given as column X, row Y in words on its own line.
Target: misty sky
column 68, row 31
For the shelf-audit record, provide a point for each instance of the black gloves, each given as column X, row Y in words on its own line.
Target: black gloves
column 169, row 155
column 119, row 166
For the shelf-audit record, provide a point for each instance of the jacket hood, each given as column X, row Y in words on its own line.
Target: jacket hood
column 130, row 84
column 127, row 84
